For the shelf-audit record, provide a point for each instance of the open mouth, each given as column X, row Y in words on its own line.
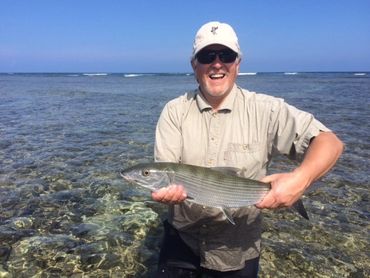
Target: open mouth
column 217, row 76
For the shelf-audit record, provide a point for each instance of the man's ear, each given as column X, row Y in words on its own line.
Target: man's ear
column 238, row 65
column 193, row 64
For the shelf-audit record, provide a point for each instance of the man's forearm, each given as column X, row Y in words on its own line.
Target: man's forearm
column 322, row 154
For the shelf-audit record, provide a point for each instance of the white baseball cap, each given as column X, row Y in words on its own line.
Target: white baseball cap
column 215, row 32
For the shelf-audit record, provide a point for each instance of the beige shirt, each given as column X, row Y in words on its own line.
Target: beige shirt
column 246, row 132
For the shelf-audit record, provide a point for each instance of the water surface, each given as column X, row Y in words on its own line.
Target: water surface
column 64, row 210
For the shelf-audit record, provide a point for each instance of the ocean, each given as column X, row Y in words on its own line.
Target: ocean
column 66, row 212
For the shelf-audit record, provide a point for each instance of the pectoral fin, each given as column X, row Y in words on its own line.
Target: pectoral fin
column 228, row 215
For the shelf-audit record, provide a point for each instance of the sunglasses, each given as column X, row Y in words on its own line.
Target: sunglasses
column 208, row 56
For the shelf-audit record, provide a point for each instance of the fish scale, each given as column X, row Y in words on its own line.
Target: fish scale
column 207, row 186
column 226, row 192
column 204, row 186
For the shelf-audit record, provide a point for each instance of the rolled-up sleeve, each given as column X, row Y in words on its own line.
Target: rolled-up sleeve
column 294, row 129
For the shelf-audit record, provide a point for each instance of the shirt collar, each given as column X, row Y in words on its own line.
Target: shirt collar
column 227, row 104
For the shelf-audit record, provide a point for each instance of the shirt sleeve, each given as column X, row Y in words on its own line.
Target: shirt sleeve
column 294, row 129
column 168, row 139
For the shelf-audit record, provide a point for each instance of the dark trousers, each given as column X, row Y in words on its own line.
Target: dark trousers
column 176, row 259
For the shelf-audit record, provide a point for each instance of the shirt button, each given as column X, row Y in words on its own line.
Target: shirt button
column 204, row 226
column 203, row 242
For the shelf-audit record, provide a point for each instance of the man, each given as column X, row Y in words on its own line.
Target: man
column 223, row 125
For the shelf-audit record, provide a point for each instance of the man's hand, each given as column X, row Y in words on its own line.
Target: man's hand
column 172, row 194
column 286, row 189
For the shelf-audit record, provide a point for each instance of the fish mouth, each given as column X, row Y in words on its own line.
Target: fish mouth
column 132, row 180
column 127, row 177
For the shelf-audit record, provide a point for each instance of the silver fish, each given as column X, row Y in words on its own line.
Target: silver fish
column 214, row 187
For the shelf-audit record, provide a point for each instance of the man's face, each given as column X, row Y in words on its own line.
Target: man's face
column 216, row 79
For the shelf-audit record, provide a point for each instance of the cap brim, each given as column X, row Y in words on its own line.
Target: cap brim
column 204, row 44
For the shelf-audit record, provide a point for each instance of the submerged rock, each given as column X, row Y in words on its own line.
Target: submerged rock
column 54, row 253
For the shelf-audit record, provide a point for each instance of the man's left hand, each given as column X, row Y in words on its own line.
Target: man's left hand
column 286, row 189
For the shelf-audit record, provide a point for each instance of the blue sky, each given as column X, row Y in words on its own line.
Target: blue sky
column 157, row 36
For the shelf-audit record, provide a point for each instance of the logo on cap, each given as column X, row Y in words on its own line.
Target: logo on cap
column 213, row 30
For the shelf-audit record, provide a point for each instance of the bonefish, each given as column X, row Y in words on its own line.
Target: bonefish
column 214, row 187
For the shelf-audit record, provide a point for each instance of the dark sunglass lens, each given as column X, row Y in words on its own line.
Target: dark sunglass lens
column 227, row 56
column 209, row 56
column 206, row 57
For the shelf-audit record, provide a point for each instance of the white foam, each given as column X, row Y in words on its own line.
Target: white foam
column 247, row 73
column 290, row 73
column 132, row 75
column 95, row 74
column 360, row 74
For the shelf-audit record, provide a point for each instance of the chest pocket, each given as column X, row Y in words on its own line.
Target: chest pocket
column 249, row 156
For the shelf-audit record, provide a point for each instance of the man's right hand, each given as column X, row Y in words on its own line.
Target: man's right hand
column 172, row 194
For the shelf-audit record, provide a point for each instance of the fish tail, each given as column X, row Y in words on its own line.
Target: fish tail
column 299, row 207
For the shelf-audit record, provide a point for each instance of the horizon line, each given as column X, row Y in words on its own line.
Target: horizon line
column 175, row 72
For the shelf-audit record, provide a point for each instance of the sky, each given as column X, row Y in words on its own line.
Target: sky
column 141, row 36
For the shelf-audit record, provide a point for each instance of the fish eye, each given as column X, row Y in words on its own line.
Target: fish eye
column 145, row 172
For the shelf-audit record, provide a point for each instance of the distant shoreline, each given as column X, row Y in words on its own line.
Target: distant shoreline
column 136, row 74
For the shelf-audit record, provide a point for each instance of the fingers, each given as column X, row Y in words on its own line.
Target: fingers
column 285, row 190
column 269, row 179
column 269, row 201
column 277, row 198
column 172, row 194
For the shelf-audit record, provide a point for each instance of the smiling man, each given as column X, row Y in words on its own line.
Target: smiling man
column 223, row 125
column 216, row 81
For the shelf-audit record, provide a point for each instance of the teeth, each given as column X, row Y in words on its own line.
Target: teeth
column 216, row 76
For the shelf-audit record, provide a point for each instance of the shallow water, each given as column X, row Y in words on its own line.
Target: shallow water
column 64, row 210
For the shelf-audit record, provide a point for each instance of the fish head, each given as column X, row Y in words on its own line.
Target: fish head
column 147, row 176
